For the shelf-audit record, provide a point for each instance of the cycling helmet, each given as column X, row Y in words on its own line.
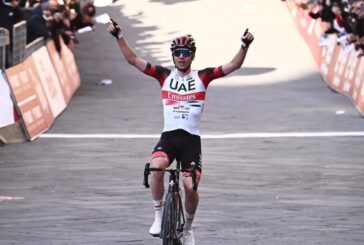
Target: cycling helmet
column 185, row 41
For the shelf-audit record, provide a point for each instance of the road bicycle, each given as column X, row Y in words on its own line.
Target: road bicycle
column 173, row 218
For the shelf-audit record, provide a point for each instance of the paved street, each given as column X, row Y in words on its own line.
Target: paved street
column 257, row 188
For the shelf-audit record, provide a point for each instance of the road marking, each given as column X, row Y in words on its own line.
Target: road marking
column 100, row 136
column 209, row 136
column 9, row 198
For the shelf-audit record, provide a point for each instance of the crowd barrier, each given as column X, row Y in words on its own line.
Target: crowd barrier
column 35, row 91
column 4, row 42
column 340, row 67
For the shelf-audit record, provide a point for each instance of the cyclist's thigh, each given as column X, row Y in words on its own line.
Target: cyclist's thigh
column 163, row 153
column 192, row 153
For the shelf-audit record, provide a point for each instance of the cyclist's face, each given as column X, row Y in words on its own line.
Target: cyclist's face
column 183, row 58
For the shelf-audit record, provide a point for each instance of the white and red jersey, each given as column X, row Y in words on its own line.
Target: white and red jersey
column 183, row 97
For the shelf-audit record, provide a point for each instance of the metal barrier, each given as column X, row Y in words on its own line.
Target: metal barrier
column 4, row 42
column 20, row 50
column 19, row 42
column 34, row 46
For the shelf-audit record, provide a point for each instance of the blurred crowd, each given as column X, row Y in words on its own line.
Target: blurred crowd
column 345, row 18
column 48, row 18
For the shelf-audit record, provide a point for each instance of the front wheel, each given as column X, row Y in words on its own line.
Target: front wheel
column 169, row 222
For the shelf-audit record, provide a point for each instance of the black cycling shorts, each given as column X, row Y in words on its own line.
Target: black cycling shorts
column 180, row 145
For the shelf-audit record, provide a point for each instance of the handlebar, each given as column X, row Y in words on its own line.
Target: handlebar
column 148, row 169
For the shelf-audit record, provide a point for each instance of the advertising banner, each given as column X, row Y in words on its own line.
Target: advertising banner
column 27, row 100
column 62, row 72
column 349, row 73
column 7, row 110
column 41, row 87
column 34, row 77
column 339, row 64
column 70, row 64
column 329, row 56
column 357, row 93
column 49, row 80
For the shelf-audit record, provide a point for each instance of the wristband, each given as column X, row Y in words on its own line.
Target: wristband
column 120, row 34
column 243, row 45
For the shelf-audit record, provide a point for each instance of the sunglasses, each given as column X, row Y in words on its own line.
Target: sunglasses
column 183, row 51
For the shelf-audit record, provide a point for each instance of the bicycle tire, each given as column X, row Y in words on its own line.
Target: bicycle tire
column 169, row 222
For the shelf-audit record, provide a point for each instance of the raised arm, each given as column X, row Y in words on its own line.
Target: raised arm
column 239, row 58
column 128, row 52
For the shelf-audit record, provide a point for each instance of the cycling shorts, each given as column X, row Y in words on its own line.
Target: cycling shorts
column 180, row 145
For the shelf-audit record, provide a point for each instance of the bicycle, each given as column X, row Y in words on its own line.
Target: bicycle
column 173, row 218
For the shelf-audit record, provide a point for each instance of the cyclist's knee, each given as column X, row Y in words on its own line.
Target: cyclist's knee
column 188, row 174
column 159, row 163
column 188, row 185
column 159, row 160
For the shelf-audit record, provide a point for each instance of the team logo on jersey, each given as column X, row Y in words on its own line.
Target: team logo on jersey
column 181, row 87
column 171, row 98
column 181, row 109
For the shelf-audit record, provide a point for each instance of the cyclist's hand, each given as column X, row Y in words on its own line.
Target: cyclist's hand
column 114, row 29
column 246, row 39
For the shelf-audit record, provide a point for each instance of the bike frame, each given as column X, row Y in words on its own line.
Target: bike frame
column 175, row 192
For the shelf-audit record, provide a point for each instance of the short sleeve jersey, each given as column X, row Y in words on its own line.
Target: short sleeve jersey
column 183, row 97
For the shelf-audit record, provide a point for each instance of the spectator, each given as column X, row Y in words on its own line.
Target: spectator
column 42, row 5
column 61, row 27
column 325, row 13
column 342, row 17
column 28, row 3
column 39, row 25
column 357, row 37
column 84, row 18
column 10, row 14
column 49, row 19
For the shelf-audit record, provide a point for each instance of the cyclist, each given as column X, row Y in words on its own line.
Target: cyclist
column 183, row 95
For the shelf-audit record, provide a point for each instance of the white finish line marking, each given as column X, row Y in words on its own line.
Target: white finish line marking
column 208, row 136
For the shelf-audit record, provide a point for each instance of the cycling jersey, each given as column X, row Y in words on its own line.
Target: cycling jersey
column 183, row 97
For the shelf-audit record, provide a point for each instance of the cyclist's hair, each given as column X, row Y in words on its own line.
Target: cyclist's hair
column 186, row 41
